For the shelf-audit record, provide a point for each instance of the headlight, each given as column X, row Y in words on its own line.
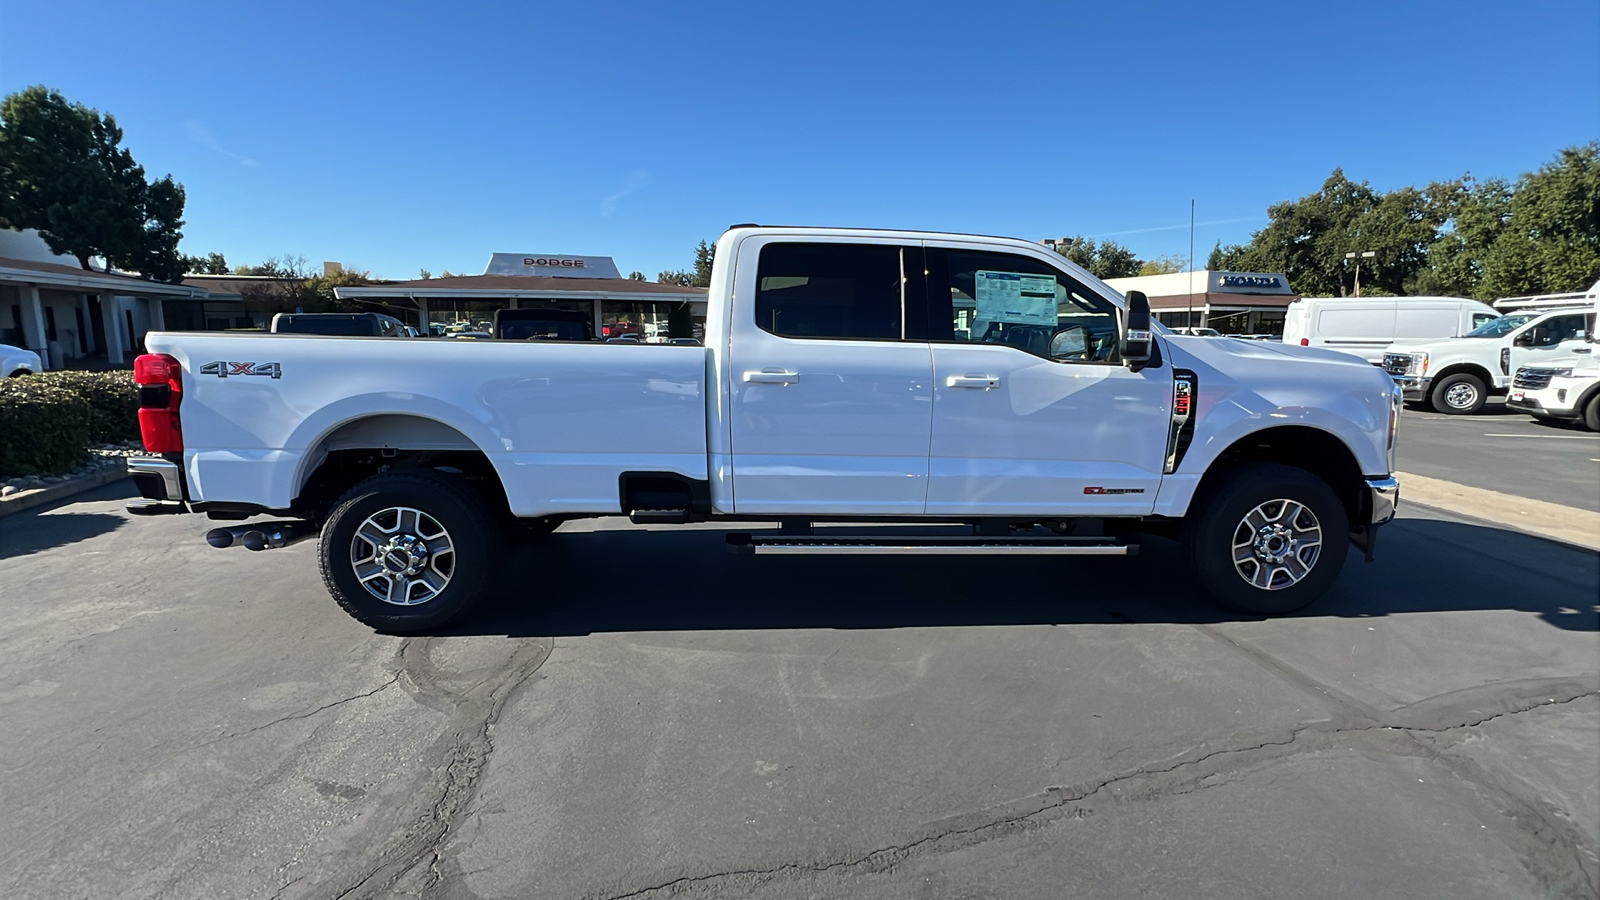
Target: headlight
column 1561, row 373
column 1419, row 364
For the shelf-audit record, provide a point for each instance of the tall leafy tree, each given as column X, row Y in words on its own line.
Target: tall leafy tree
column 210, row 264
column 64, row 172
column 1106, row 259
column 704, row 255
column 1551, row 239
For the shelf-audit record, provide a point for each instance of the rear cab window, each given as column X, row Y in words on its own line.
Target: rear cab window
column 836, row 291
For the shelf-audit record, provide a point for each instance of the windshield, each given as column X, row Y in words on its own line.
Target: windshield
column 1500, row 327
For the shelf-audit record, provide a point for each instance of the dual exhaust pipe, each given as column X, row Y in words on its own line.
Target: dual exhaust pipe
column 262, row 535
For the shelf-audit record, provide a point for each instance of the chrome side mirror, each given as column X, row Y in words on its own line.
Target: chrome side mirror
column 1136, row 333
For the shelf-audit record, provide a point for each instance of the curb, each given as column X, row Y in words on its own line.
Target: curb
column 23, row 500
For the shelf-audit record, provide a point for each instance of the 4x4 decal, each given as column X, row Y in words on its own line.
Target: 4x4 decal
column 223, row 369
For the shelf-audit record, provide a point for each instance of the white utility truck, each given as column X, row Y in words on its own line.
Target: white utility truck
column 1459, row 375
column 895, row 379
column 1569, row 392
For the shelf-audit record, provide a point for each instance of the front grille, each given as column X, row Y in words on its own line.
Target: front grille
column 1531, row 379
column 1396, row 363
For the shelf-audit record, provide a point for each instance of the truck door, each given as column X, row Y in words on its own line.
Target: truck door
column 829, row 380
column 1034, row 412
column 1552, row 341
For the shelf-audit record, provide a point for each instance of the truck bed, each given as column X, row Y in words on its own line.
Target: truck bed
column 559, row 421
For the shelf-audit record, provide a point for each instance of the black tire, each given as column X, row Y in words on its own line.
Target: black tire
column 1591, row 413
column 19, row 373
column 1212, row 530
column 1468, row 396
column 454, row 506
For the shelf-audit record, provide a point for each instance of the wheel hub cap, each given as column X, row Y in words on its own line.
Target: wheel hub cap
column 404, row 554
column 1460, row 395
column 1274, row 543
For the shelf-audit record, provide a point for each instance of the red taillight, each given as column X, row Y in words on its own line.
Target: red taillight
column 160, row 380
column 1305, row 342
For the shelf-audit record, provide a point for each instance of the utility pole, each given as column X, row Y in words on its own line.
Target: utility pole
column 1188, row 316
column 1365, row 254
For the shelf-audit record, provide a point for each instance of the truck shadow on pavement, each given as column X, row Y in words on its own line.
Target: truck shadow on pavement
column 625, row 581
column 21, row 535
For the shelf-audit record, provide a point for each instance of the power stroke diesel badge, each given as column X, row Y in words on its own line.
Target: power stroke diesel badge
column 223, row 369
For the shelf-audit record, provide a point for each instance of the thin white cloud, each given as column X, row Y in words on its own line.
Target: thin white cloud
column 638, row 178
column 203, row 136
column 1177, row 227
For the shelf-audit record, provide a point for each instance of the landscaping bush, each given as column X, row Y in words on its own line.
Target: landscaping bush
column 44, row 427
column 48, row 421
column 114, row 399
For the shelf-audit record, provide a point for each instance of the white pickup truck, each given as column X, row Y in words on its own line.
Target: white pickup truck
column 1569, row 392
column 1458, row 375
column 856, row 377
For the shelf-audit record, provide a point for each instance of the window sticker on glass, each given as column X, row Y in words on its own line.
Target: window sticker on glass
column 1015, row 297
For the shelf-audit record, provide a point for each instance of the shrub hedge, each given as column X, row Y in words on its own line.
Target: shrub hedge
column 48, row 421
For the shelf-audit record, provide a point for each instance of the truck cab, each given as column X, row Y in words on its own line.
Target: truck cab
column 1563, row 391
column 1458, row 375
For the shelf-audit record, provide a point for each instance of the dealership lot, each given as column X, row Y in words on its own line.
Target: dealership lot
column 645, row 715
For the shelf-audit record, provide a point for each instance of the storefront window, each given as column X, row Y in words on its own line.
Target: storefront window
column 651, row 322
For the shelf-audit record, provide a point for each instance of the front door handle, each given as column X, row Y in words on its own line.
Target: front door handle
column 772, row 376
column 983, row 382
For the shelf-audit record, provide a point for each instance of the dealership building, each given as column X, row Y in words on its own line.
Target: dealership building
column 1230, row 302
column 588, row 284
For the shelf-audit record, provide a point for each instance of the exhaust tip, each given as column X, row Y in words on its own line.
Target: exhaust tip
column 254, row 540
column 220, row 538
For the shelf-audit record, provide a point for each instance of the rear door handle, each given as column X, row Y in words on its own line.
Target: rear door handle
column 772, row 376
column 984, row 382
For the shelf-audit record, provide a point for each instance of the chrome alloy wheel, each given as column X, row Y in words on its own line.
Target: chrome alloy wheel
column 402, row 556
column 1461, row 395
column 1276, row 544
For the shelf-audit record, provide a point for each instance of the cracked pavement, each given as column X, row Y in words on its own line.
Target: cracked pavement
column 639, row 715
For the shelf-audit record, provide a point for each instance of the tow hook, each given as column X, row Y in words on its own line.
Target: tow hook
column 262, row 535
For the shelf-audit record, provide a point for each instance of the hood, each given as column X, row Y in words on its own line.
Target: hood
column 1438, row 346
column 1264, row 367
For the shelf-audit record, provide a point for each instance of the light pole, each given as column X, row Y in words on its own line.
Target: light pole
column 1358, row 257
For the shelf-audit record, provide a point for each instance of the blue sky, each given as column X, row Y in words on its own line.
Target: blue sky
column 399, row 136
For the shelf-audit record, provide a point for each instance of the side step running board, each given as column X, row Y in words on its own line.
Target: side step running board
column 740, row 542
column 659, row 516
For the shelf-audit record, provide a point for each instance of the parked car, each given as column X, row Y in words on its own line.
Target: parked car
column 1458, row 375
column 1563, row 392
column 620, row 329
column 833, row 387
column 1366, row 326
column 16, row 361
column 340, row 324
column 543, row 325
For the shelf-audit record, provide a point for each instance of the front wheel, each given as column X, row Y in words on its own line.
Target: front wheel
column 1460, row 394
column 1269, row 539
column 407, row 551
column 1591, row 413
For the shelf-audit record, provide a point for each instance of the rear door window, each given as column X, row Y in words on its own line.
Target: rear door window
column 833, row 291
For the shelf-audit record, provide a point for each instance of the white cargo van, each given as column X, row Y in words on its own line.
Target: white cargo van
column 1366, row 326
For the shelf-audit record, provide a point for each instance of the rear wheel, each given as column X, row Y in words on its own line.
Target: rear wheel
column 1591, row 413
column 1460, row 394
column 1269, row 539
column 407, row 551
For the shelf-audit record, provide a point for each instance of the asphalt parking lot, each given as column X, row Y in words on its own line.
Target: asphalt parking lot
column 1504, row 450
column 640, row 715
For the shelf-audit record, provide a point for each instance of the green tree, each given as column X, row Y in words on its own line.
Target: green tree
column 210, row 264
column 64, row 172
column 636, row 276
column 704, row 255
column 1551, row 239
column 1165, row 265
column 1107, row 259
column 676, row 276
column 1307, row 238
